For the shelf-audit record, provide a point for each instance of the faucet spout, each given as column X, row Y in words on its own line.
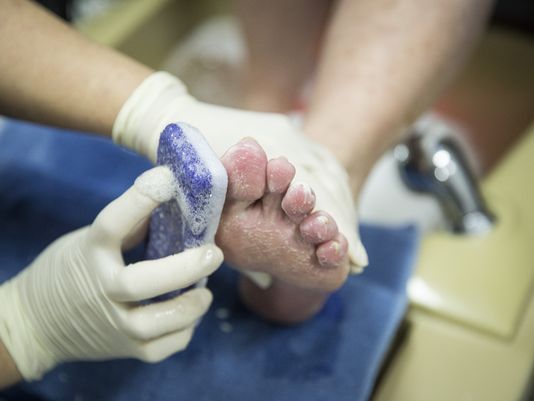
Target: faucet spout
column 431, row 161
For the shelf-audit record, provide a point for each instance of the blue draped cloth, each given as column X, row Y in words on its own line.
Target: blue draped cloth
column 52, row 182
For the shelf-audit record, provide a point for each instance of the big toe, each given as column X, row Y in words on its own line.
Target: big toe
column 245, row 165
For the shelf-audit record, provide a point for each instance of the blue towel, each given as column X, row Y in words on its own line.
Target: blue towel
column 52, row 182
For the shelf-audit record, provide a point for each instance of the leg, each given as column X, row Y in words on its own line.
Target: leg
column 269, row 225
column 382, row 63
column 283, row 40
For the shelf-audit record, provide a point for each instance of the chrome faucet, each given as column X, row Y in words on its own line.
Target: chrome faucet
column 431, row 161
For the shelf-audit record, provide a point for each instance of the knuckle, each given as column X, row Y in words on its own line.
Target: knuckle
column 108, row 284
column 120, row 321
column 194, row 305
column 135, row 326
column 185, row 339
column 124, row 286
column 193, row 310
column 148, row 354
column 154, row 351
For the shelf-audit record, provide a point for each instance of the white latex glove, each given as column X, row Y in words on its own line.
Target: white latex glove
column 162, row 99
column 77, row 300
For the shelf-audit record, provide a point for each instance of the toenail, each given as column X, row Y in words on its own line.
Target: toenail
column 307, row 191
column 336, row 246
column 249, row 142
column 322, row 220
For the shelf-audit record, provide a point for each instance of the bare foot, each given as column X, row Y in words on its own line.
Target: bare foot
column 268, row 224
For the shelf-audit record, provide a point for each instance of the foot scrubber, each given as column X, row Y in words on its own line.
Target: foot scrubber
column 191, row 218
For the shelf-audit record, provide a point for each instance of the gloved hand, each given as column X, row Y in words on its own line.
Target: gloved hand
column 77, row 300
column 162, row 99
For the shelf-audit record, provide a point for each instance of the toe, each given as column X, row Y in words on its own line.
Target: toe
column 298, row 201
column 318, row 227
column 245, row 165
column 333, row 253
column 279, row 174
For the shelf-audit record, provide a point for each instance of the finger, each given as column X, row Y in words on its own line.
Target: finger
column 163, row 347
column 122, row 217
column 357, row 254
column 136, row 236
column 155, row 320
column 150, row 278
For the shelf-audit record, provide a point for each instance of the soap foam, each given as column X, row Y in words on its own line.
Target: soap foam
column 157, row 183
